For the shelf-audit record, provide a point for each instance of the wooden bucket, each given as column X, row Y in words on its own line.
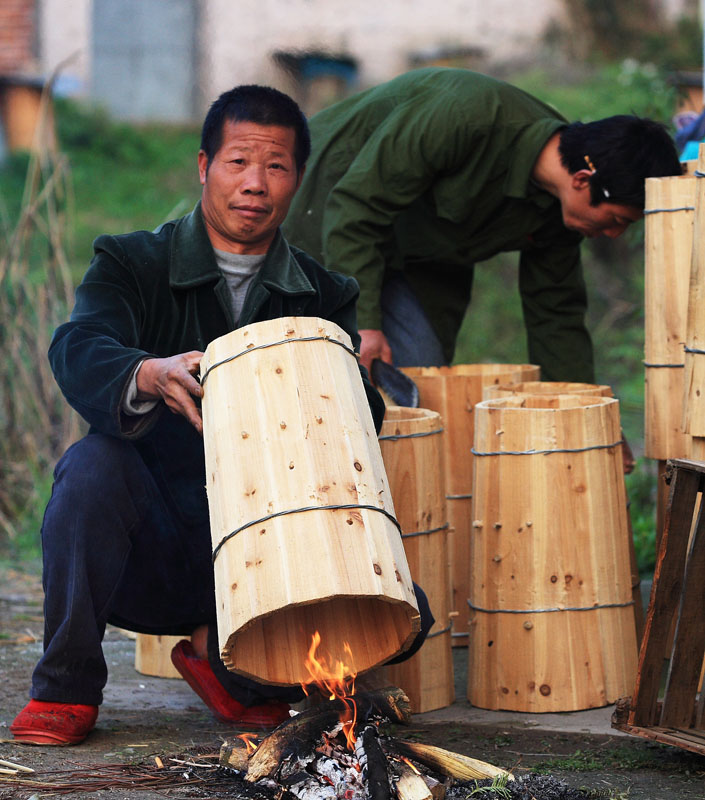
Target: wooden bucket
column 668, row 247
column 694, row 378
column 553, row 620
column 454, row 392
column 546, row 387
column 153, row 655
column 302, row 519
column 411, row 444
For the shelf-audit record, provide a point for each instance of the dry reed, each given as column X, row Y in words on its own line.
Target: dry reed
column 36, row 291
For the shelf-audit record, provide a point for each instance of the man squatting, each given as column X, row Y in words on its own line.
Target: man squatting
column 409, row 185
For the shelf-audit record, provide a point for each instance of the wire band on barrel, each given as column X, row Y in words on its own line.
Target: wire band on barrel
column 547, row 452
column 298, row 511
column 548, row 610
column 425, row 533
column 274, row 344
column 394, row 436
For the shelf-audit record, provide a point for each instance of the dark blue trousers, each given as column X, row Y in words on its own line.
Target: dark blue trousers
column 115, row 551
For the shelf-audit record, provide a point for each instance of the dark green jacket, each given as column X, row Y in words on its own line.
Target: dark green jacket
column 430, row 173
column 159, row 294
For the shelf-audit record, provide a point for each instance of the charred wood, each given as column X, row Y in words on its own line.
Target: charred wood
column 299, row 734
column 377, row 772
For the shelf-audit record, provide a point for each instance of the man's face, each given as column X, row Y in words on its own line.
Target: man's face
column 248, row 186
column 604, row 219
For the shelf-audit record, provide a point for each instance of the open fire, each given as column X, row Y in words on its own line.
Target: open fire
column 336, row 748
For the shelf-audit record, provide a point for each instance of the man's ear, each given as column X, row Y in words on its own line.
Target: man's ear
column 202, row 166
column 581, row 179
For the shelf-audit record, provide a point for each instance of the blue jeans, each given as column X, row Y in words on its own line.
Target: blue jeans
column 114, row 551
column 413, row 341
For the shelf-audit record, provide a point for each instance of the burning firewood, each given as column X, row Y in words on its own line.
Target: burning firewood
column 411, row 785
column 454, row 765
column 300, row 733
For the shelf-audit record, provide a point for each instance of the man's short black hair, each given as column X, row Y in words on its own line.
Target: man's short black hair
column 262, row 105
column 623, row 151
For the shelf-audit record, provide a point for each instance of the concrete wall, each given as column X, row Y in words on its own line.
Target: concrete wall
column 65, row 31
column 237, row 39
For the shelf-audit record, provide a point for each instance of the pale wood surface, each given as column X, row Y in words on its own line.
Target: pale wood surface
column 454, row 392
column 287, row 428
column 411, row 441
column 694, row 379
column 550, row 532
column 668, row 247
column 546, row 387
column 153, row 655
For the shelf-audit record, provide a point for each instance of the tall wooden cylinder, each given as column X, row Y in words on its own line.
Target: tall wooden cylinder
column 553, row 621
column 411, row 443
column 694, row 379
column 454, row 392
column 668, row 247
column 302, row 519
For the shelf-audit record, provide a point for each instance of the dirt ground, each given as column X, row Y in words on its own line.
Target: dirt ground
column 144, row 719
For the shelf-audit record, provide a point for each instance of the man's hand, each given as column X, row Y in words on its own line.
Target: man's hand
column 172, row 380
column 374, row 344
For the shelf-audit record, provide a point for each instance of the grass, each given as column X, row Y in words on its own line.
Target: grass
column 618, row 757
column 122, row 177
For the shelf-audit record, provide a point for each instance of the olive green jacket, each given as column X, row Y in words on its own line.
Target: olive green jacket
column 431, row 173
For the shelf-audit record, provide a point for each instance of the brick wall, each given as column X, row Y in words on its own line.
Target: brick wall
column 17, row 36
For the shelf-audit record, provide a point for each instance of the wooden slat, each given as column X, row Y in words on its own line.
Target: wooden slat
column 689, row 644
column 666, row 590
column 687, row 740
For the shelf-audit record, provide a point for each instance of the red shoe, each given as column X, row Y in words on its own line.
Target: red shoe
column 54, row 723
column 198, row 674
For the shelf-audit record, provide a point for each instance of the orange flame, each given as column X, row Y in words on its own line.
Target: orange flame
column 249, row 744
column 338, row 682
column 406, row 761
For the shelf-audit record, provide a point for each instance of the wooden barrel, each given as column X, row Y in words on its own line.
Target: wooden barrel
column 553, row 621
column 302, row 519
column 694, row 378
column 546, row 387
column 153, row 655
column 411, row 444
column 668, row 246
column 454, row 392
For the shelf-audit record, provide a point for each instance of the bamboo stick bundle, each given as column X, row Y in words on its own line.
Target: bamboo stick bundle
column 454, row 392
column 668, row 253
column 411, row 441
column 302, row 519
column 153, row 655
column 694, row 380
column 553, row 625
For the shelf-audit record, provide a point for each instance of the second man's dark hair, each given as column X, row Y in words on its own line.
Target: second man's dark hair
column 623, row 150
column 262, row 105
